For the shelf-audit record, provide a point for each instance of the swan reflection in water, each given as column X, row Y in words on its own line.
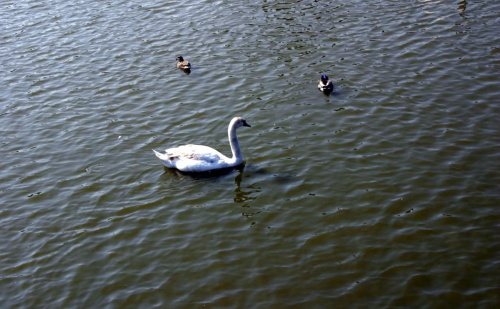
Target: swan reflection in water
column 250, row 191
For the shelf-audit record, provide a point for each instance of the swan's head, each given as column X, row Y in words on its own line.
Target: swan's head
column 239, row 122
column 324, row 78
column 179, row 58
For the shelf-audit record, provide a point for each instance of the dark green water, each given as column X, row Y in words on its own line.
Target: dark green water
column 384, row 194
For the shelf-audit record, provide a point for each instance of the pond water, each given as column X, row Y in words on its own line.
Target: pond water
column 383, row 194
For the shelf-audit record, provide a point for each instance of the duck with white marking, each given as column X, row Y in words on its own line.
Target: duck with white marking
column 183, row 64
column 199, row 158
column 325, row 85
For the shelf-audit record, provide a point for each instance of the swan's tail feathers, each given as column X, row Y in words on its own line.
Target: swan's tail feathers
column 165, row 158
column 160, row 155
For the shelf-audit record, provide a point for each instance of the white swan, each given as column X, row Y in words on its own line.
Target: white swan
column 199, row 158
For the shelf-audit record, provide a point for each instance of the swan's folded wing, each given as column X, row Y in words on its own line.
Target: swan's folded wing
column 196, row 152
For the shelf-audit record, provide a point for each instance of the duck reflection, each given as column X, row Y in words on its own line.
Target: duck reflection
column 462, row 6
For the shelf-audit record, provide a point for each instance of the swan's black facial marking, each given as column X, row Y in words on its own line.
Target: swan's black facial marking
column 244, row 123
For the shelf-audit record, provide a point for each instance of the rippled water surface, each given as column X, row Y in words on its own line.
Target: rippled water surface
column 383, row 194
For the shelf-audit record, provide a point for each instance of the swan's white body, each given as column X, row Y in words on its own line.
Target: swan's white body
column 199, row 158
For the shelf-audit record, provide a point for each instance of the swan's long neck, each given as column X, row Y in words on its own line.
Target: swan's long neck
column 235, row 145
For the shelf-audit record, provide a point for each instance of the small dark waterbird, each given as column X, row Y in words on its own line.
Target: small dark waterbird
column 325, row 85
column 183, row 64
